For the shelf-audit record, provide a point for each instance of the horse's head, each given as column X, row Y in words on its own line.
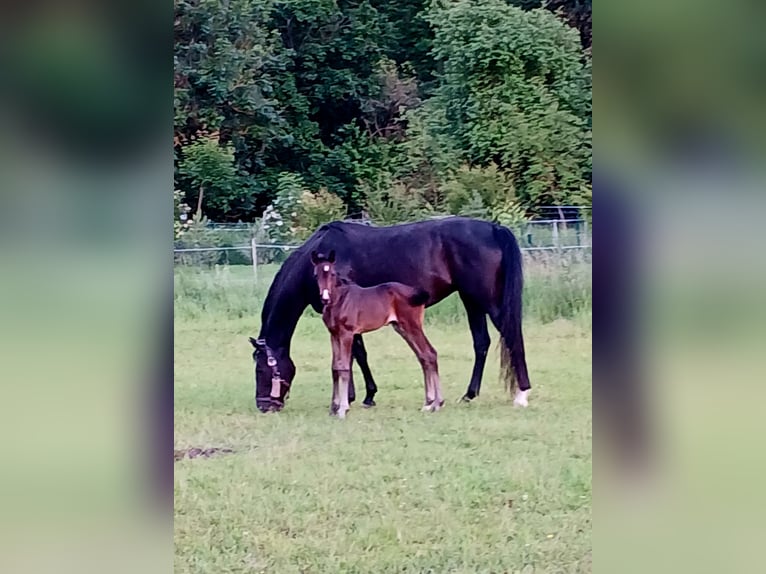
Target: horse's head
column 274, row 373
column 326, row 276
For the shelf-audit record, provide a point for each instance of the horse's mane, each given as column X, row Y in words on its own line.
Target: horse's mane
column 288, row 276
column 285, row 275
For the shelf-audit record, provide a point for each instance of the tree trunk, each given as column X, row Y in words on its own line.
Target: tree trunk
column 198, row 215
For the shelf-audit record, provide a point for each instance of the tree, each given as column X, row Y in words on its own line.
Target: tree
column 209, row 167
column 515, row 91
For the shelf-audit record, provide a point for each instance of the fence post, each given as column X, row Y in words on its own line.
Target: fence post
column 254, row 253
column 556, row 234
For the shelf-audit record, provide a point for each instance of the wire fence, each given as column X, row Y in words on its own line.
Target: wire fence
column 562, row 240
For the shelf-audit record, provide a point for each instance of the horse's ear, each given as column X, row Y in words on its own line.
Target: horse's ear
column 254, row 343
column 314, row 257
column 331, row 256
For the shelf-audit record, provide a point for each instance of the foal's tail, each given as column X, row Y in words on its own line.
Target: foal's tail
column 420, row 297
column 513, row 363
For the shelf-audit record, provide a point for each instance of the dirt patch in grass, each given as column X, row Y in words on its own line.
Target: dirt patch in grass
column 199, row 452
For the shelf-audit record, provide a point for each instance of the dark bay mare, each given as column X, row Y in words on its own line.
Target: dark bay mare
column 481, row 261
column 351, row 310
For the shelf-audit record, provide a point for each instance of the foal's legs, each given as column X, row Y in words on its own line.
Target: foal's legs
column 477, row 321
column 341, row 363
column 360, row 354
column 335, row 402
column 416, row 339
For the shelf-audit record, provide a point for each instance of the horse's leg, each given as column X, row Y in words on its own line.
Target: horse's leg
column 335, row 402
column 521, row 397
column 341, row 364
column 351, row 389
column 432, row 372
column 477, row 321
column 360, row 354
column 426, row 354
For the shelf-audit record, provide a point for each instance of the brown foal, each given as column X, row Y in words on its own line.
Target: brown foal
column 352, row 310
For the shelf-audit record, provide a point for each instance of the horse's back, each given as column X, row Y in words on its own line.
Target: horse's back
column 439, row 256
column 396, row 289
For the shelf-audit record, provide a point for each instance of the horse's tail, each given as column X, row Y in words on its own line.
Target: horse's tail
column 513, row 363
column 420, row 297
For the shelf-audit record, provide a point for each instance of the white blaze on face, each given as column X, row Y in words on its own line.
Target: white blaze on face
column 325, row 294
column 276, row 387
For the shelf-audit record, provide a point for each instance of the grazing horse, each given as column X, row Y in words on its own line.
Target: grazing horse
column 481, row 261
column 351, row 310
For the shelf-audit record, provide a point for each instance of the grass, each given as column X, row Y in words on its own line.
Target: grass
column 476, row 488
column 554, row 288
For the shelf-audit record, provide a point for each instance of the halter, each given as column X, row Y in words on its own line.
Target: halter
column 277, row 382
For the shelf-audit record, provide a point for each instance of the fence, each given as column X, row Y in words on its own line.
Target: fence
column 239, row 244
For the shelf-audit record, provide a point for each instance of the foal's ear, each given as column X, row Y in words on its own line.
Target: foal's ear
column 314, row 257
column 331, row 256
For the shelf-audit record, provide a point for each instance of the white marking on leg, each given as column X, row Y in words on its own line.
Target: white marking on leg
column 521, row 398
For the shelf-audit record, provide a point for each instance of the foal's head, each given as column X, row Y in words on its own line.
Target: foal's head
column 324, row 271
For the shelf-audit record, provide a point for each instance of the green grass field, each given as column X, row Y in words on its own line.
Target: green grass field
column 475, row 488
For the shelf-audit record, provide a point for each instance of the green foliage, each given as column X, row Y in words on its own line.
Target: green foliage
column 289, row 187
column 515, row 92
column 484, row 192
column 428, row 154
column 197, row 233
column 180, row 208
column 493, row 186
column 350, row 97
column 315, row 209
column 230, row 77
column 508, row 213
column 296, row 212
column 360, row 158
column 209, row 167
column 473, row 207
column 272, row 227
column 394, row 203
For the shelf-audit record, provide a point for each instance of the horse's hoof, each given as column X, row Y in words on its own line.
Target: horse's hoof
column 368, row 404
column 521, row 399
column 465, row 399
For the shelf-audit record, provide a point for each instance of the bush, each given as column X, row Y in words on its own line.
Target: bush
column 484, row 192
column 491, row 184
column 315, row 209
column 395, row 204
column 216, row 187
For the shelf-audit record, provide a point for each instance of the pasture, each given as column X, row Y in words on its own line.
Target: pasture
column 476, row 488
